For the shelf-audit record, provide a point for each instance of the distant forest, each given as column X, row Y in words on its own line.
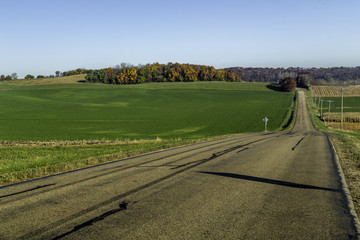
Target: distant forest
column 320, row 76
column 175, row 72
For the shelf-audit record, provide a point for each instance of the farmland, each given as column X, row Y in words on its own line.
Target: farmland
column 351, row 117
column 49, row 128
column 148, row 111
column 335, row 91
column 351, row 104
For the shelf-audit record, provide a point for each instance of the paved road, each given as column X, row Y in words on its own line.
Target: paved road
column 257, row 186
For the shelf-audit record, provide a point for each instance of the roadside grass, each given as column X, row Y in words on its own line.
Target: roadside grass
column 51, row 128
column 347, row 145
column 348, row 149
column 290, row 117
column 21, row 161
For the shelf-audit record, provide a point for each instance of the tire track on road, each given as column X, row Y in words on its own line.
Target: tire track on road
column 119, row 197
column 107, row 171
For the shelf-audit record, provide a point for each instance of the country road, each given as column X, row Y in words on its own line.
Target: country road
column 281, row 185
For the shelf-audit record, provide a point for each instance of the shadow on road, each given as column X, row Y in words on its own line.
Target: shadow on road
column 270, row 181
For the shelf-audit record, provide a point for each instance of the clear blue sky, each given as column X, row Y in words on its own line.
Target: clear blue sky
column 42, row 36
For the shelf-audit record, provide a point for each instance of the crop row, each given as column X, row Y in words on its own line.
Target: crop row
column 335, row 91
column 346, row 126
column 347, row 117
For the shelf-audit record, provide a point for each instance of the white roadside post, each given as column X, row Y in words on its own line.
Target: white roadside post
column 265, row 121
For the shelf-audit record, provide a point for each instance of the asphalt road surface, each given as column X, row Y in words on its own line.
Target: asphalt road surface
column 280, row 185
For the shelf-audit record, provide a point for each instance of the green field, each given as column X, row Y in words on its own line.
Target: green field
column 351, row 104
column 148, row 111
column 39, row 124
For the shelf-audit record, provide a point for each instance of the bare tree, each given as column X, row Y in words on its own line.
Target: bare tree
column 14, row 76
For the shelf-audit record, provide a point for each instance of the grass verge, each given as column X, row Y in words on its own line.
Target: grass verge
column 290, row 117
column 347, row 145
column 21, row 161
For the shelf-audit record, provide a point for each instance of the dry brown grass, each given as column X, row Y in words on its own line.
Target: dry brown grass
column 44, row 81
column 71, row 143
column 348, row 150
column 335, row 91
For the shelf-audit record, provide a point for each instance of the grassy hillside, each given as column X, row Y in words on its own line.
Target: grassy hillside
column 31, row 116
column 41, row 81
column 147, row 111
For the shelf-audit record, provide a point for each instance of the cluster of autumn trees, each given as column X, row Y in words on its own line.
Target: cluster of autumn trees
column 171, row 72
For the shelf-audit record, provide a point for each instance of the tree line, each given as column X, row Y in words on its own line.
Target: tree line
column 8, row 77
column 320, row 76
column 171, row 72
column 78, row 71
column 176, row 72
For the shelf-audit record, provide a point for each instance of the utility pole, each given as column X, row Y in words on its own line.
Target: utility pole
column 321, row 107
column 329, row 101
column 342, row 106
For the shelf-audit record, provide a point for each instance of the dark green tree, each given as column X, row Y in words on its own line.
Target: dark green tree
column 29, row 76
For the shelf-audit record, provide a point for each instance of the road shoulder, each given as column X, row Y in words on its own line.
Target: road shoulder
column 351, row 176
